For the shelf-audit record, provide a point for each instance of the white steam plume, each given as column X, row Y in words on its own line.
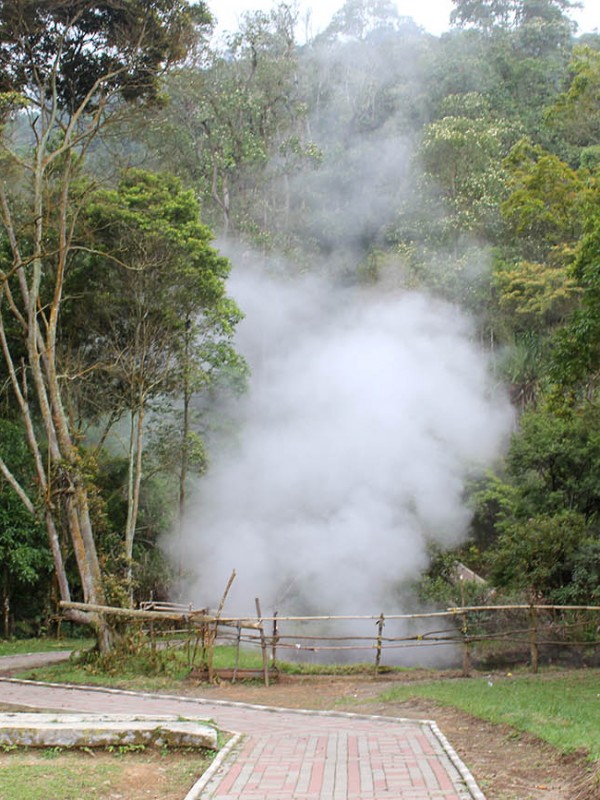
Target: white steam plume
column 364, row 418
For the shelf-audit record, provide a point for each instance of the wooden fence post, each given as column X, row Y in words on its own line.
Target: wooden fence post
column 152, row 640
column 263, row 642
column 533, row 639
column 237, row 652
column 211, row 639
column 380, row 624
column 275, row 640
column 466, row 666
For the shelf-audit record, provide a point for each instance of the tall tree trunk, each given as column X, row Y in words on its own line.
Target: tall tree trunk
column 136, row 443
column 187, row 396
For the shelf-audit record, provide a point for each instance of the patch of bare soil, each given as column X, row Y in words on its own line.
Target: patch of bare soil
column 506, row 764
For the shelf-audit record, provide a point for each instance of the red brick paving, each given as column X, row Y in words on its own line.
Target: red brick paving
column 291, row 755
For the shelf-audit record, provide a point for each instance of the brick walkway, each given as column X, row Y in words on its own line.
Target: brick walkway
column 290, row 755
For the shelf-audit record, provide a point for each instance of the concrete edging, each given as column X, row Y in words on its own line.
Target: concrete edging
column 225, row 753
column 458, row 763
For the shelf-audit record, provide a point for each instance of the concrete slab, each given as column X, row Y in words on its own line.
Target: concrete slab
column 105, row 730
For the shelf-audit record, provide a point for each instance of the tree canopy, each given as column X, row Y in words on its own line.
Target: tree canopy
column 465, row 165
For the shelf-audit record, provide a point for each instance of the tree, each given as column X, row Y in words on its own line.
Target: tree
column 226, row 115
column 66, row 68
column 359, row 18
column 514, row 52
column 545, row 202
column 536, row 296
column 540, row 555
column 489, row 14
column 555, row 462
column 576, row 112
column 147, row 313
column 540, row 518
column 524, row 365
column 576, row 359
column 462, row 155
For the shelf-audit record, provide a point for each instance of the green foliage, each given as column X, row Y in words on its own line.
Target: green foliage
column 229, row 118
column 26, row 563
column 577, row 351
column 513, row 52
column 545, row 201
column 151, row 213
column 576, row 112
column 538, row 555
column 492, row 500
column 23, row 548
column 538, row 524
column 584, row 586
column 462, row 155
column 555, row 462
column 76, row 66
column 524, row 366
column 83, row 49
column 442, row 586
column 535, row 522
column 536, row 296
column 359, row 18
column 489, row 14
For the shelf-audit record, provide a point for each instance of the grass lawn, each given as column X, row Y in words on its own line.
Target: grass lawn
column 562, row 709
column 141, row 673
column 73, row 775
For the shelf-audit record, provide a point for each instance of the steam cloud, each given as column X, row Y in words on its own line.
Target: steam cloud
column 365, row 416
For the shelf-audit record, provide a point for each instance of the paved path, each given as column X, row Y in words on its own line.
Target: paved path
column 9, row 664
column 290, row 755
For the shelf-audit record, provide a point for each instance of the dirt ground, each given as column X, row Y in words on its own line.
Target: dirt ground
column 506, row 765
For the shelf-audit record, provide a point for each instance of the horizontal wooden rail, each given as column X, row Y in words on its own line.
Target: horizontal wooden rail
column 196, row 617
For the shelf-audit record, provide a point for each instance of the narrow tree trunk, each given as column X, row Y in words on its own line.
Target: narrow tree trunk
column 6, row 606
column 133, row 491
column 187, row 395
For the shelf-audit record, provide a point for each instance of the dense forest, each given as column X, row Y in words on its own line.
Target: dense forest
column 465, row 166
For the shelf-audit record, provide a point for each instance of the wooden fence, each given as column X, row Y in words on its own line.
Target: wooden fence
column 519, row 632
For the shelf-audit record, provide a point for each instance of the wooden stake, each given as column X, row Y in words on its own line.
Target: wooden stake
column 213, row 633
column 263, row 642
column 380, row 624
column 533, row 639
column 466, row 669
column 275, row 640
column 237, row 653
column 225, row 593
